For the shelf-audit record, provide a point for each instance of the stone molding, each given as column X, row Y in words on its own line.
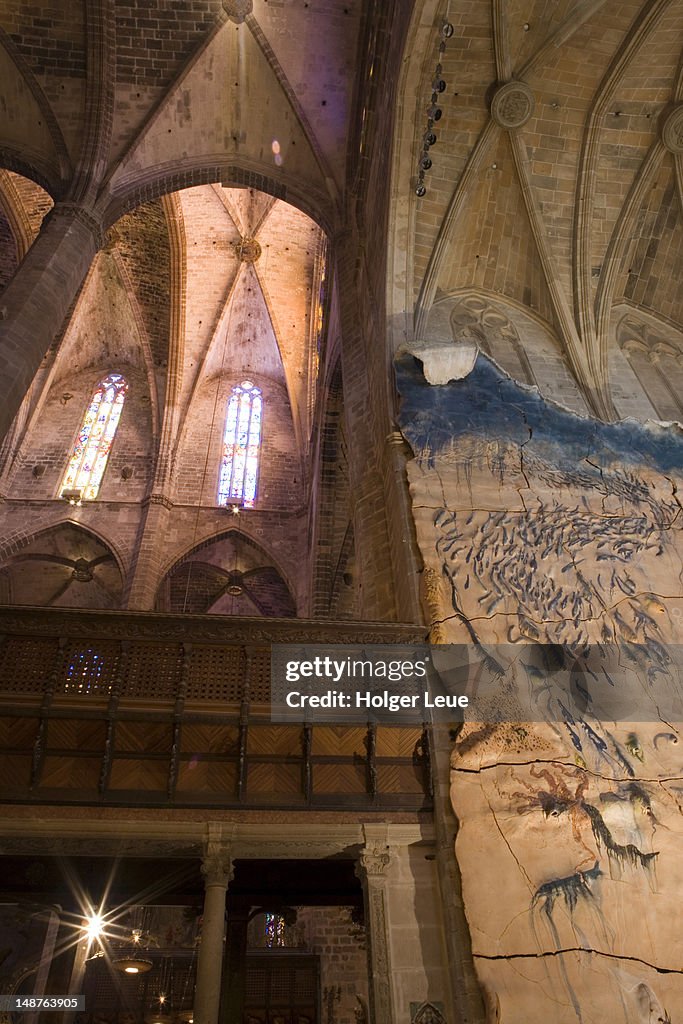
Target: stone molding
column 217, row 864
column 157, row 626
column 672, row 130
column 294, row 840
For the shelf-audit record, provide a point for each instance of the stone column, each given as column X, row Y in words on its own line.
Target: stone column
column 217, row 869
column 35, row 302
column 374, row 860
column 146, row 574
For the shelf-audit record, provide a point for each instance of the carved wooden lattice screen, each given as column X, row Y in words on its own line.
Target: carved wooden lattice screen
column 281, row 988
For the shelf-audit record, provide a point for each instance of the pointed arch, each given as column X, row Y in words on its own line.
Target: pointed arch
column 228, row 573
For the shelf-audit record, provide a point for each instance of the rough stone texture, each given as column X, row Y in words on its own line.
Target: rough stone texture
column 540, row 528
column 8, row 251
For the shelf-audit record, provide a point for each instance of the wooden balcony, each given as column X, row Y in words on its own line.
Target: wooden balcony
column 150, row 710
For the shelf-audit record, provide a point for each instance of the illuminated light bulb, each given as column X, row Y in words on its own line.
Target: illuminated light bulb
column 132, row 970
column 94, row 922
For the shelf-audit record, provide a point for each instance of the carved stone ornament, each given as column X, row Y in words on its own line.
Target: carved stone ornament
column 427, row 1013
column 443, row 361
column 672, row 130
column 237, row 10
column 374, row 859
column 247, row 249
column 157, row 626
column 217, row 866
column 512, row 105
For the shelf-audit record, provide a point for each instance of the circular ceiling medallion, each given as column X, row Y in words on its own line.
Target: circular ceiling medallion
column 672, row 130
column 512, row 105
column 247, row 249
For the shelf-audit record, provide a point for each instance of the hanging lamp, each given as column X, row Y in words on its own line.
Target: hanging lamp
column 131, row 962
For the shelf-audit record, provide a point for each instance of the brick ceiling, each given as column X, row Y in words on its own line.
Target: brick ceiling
column 574, row 212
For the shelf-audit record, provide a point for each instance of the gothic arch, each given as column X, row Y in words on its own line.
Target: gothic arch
column 181, row 175
column 64, row 565
column 228, row 573
column 656, row 360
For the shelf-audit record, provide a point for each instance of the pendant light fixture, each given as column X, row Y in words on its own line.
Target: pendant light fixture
column 131, row 961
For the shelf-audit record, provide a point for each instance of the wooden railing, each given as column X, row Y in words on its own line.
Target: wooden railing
column 158, row 710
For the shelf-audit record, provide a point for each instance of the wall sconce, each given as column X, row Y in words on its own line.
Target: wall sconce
column 72, row 495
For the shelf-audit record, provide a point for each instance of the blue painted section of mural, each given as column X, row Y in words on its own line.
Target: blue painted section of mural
column 491, row 405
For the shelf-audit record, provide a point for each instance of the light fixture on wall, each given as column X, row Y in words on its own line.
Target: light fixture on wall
column 72, row 495
column 434, row 112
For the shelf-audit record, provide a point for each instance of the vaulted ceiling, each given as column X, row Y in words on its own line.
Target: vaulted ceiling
column 114, row 100
column 556, row 177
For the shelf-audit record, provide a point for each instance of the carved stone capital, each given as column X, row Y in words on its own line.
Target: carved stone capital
column 217, row 865
column 512, row 105
column 373, row 861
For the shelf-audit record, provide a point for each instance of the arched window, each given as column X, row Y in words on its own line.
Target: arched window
column 241, row 446
column 274, row 931
column 95, row 438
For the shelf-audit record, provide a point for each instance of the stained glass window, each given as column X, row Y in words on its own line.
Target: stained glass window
column 319, row 316
column 95, row 438
column 275, row 931
column 241, row 446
